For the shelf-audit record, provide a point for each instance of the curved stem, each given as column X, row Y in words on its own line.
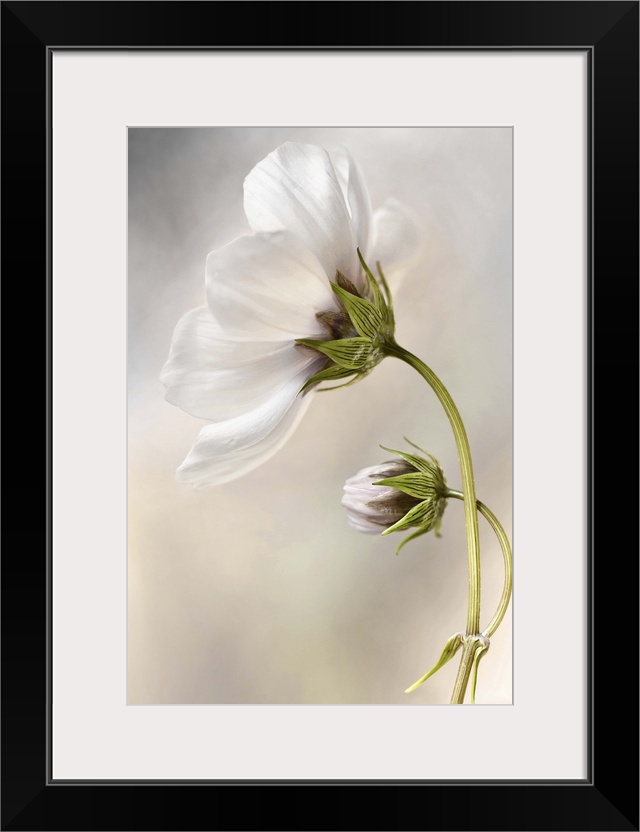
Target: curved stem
column 469, row 497
column 508, row 563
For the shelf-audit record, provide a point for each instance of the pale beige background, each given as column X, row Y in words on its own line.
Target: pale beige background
column 258, row 591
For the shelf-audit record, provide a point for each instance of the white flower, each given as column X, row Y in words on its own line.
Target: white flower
column 235, row 361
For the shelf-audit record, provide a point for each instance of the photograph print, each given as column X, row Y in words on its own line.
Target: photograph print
column 320, row 461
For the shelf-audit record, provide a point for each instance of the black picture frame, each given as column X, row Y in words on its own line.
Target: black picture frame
column 608, row 798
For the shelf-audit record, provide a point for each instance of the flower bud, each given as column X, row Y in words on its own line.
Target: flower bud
column 373, row 508
column 397, row 495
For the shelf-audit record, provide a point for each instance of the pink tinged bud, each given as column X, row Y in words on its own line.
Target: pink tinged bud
column 373, row 508
column 405, row 493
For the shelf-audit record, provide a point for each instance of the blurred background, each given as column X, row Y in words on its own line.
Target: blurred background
column 258, row 591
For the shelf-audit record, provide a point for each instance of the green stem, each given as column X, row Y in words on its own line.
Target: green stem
column 469, row 496
column 464, row 671
column 508, row 563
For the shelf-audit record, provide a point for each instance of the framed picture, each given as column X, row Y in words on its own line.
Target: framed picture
column 512, row 126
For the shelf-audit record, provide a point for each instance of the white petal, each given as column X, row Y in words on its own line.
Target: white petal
column 361, row 524
column 230, row 449
column 355, row 191
column 267, row 287
column 296, row 189
column 213, row 378
column 396, row 240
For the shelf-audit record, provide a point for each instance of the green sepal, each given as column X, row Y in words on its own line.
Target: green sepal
column 416, row 461
column 363, row 314
column 422, row 450
column 419, row 515
column 357, row 377
column 378, row 300
column 385, row 286
column 418, row 485
column 409, row 537
column 332, row 373
column 350, row 353
column 385, row 306
column 450, row 649
column 438, row 524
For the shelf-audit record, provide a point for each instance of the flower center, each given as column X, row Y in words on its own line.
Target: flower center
column 337, row 324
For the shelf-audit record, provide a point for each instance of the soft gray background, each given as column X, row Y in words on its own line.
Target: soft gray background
column 258, row 591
